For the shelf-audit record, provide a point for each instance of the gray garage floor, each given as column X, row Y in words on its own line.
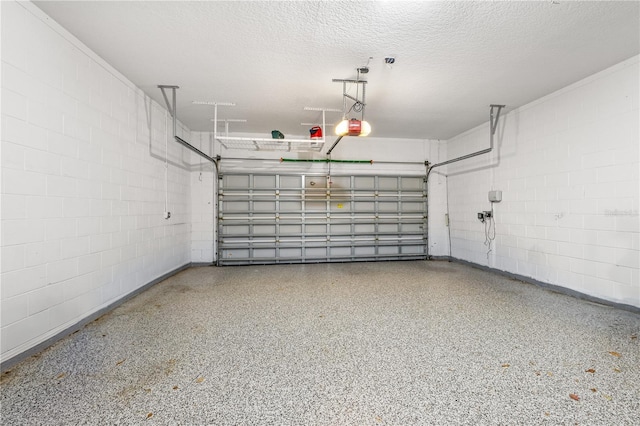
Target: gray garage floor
column 397, row 343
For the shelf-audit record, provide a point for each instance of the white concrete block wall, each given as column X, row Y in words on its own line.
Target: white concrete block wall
column 202, row 200
column 83, row 183
column 568, row 166
column 438, row 194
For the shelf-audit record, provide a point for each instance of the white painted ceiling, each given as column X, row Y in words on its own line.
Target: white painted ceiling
column 272, row 59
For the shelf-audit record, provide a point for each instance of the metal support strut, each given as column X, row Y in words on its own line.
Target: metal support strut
column 334, row 145
column 493, row 126
column 171, row 106
column 359, row 103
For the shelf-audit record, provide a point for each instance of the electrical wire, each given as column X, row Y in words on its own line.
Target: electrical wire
column 357, row 106
column 489, row 235
column 357, row 87
column 448, row 212
column 166, row 163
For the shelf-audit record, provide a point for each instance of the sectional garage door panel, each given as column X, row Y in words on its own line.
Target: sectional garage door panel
column 287, row 218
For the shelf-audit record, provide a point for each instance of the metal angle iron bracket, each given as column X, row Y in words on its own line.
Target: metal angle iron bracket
column 346, row 96
column 494, row 117
column 493, row 121
column 172, row 108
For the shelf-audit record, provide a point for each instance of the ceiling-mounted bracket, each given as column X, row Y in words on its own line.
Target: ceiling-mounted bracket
column 263, row 144
column 494, row 119
column 226, row 122
column 215, row 112
column 171, row 106
column 359, row 104
column 494, row 116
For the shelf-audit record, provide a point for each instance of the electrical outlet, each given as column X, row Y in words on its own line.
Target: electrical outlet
column 481, row 216
column 167, row 215
column 487, row 214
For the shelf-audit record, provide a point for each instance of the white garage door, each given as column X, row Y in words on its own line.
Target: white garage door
column 298, row 218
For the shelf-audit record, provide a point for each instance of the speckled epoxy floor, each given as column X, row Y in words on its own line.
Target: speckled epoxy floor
column 394, row 343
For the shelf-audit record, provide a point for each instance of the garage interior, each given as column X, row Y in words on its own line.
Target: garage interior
column 187, row 240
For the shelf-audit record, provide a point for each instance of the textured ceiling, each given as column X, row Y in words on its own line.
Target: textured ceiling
column 272, row 59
